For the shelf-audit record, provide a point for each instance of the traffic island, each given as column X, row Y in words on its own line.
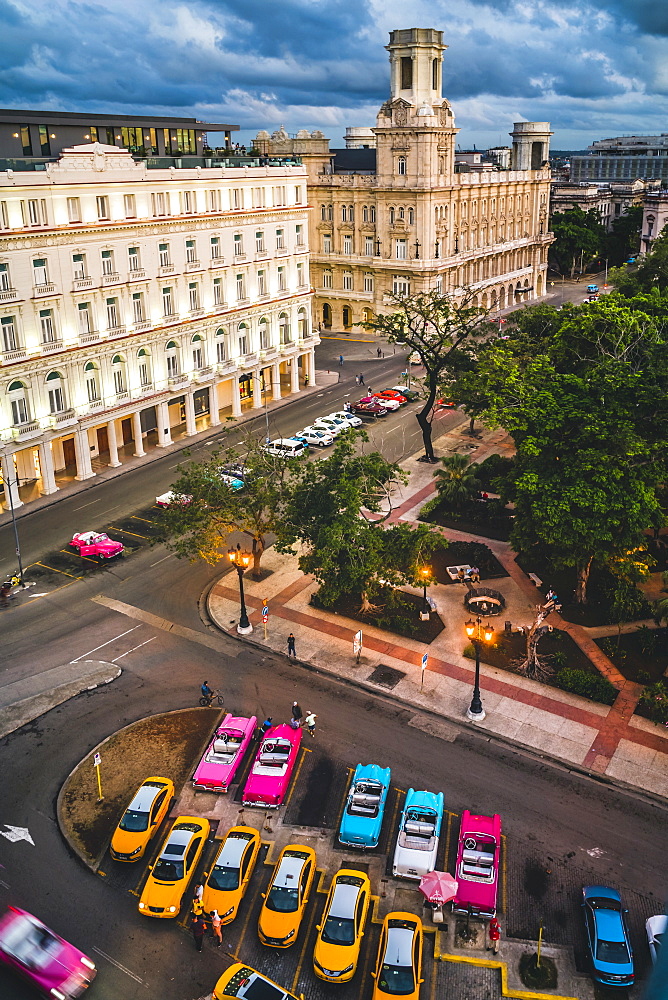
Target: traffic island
column 168, row 745
column 538, row 974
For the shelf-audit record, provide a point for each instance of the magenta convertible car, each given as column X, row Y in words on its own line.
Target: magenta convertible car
column 56, row 968
column 215, row 772
column 96, row 543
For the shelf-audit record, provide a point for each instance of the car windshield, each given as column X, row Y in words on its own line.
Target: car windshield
column 283, row 899
column 613, row 952
column 397, row 979
column 338, row 930
column 223, row 877
column 133, row 821
column 30, row 943
column 168, row 871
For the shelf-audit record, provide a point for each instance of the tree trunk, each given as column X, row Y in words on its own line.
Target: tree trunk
column 425, row 426
column 583, row 579
column 471, row 425
column 258, row 549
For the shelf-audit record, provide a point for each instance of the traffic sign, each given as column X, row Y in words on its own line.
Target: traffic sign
column 357, row 644
column 97, row 760
column 425, row 658
column 265, row 613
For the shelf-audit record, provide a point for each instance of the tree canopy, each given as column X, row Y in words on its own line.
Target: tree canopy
column 650, row 275
column 579, row 237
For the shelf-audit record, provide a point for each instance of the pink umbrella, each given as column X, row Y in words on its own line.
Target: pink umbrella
column 438, row 887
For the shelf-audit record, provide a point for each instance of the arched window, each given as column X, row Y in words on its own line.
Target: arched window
column 265, row 335
column 302, row 324
column 343, row 213
column 326, row 314
column 411, row 216
column 119, row 372
column 365, row 214
column 172, row 356
column 19, row 403
column 391, row 216
column 244, row 346
column 145, row 368
column 330, row 213
column 323, row 212
column 351, row 213
column 401, row 213
column 56, row 392
column 284, row 334
column 92, row 377
column 346, row 317
column 199, row 358
column 401, row 165
column 221, row 345
column 372, row 214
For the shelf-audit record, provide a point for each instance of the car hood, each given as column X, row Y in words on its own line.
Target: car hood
column 124, row 842
column 163, row 894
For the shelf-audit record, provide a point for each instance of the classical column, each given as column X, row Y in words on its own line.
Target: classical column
column 236, row 399
column 191, row 426
column 276, row 379
column 47, row 469
column 310, row 361
column 214, row 415
column 113, row 445
column 137, row 434
column 294, row 374
column 12, row 498
column 257, row 389
column 164, row 431
column 82, row 452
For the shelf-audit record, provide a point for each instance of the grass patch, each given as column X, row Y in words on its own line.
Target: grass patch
column 534, row 976
column 397, row 612
column 167, row 745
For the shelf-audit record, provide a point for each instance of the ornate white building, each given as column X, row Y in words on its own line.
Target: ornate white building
column 401, row 217
column 138, row 303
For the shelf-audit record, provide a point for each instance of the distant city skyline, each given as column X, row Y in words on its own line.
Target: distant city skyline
column 593, row 69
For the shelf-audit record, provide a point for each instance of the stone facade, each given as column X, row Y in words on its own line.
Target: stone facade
column 401, row 218
column 135, row 302
column 609, row 200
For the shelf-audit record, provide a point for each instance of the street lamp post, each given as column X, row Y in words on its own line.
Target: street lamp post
column 10, row 485
column 476, row 713
column 425, row 573
column 240, row 559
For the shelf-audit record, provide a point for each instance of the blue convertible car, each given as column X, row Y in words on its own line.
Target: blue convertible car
column 608, row 936
column 363, row 814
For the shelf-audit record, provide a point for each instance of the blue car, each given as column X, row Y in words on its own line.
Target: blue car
column 419, row 830
column 363, row 814
column 608, row 936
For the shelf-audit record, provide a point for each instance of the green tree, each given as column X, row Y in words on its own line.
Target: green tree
column 624, row 237
column 651, row 273
column 438, row 328
column 579, row 237
column 457, row 481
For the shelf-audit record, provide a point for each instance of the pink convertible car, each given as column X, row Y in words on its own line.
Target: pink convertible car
column 215, row 772
column 477, row 870
column 96, row 543
column 272, row 768
column 56, row 968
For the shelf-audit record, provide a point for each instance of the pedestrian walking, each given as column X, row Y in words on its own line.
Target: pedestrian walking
column 291, row 646
column 379, row 353
column 357, row 379
column 309, row 722
column 305, row 379
column 198, row 926
column 341, row 360
column 361, row 379
column 216, row 925
column 267, row 724
column 297, row 714
column 494, row 935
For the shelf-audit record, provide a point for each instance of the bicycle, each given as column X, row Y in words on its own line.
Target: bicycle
column 206, row 701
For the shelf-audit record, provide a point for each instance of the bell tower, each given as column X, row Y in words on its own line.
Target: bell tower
column 416, row 66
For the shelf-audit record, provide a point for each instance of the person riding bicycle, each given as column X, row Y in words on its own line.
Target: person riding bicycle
column 206, row 691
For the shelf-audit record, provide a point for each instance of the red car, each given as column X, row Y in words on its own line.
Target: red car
column 47, row 961
column 96, row 543
column 391, row 394
column 275, row 760
column 370, row 409
column 477, row 870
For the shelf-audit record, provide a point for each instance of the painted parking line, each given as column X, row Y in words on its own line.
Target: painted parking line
column 77, row 555
column 252, row 900
column 448, row 834
column 300, row 960
column 136, row 517
column 54, row 570
column 125, row 531
column 304, row 751
column 350, row 771
column 504, row 874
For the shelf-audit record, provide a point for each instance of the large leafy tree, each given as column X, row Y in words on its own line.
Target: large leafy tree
column 649, row 276
column 586, row 406
column 624, row 237
column 337, row 514
column 440, row 329
column 579, row 237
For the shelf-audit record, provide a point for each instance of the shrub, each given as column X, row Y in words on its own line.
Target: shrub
column 560, row 659
column 494, row 472
column 469, row 651
column 588, row 685
column 655, row 699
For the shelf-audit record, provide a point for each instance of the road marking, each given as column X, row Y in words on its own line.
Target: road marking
column 105, row 643
column 300, row 961
column 90, row 504
column 146, row 520
column 134, row 648
column 118, row 965
column 164, row 558
column 448, row 834
column 4, row 884
column 53, row 570
column 15, row 833
column 109, row 509
column 126, row 532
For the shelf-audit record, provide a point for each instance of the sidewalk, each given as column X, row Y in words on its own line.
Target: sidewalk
column 610, row 742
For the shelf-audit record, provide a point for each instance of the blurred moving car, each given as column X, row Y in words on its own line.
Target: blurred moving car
column 47, row 961
column 656, row 931
column 592, row 288
column 169, row 498
column 270, row 774
column 399, row 965
column 141, row 819
column 243, row 982
column 215, row 771
column 226, row 882
column 365, row 803
column 337, row 946
column 477, row 869
column 414, row 358
column 419, row 830
column 608, row 937
column 169, row 877
column 286, row 896
column 319, row 438
column 96, row 543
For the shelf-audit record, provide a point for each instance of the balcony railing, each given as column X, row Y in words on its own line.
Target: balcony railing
column 52, row 345
column 193, row 265
column 64, row 416
column 23, row 430
column 122, row 395
column 217, row 262
column 145, row 324
column 165, row 270
column 7, row 294
column 88, row 338
column 136, row 274
column 95, row 404
column 176, row 380
column 111, row 279
column 80, row 283
column 15, row 355
column 47, row 289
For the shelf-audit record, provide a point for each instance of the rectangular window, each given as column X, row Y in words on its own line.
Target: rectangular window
column 56, row 400
column 119, row 381
column 298, row 194
column 348, row 281
column 237, row 198
column 107, row 262
column 93, row 133
column 144, row 374
column 111, row 135
column 112, row 314
column 215, row 248
column 4, row 217
column 299, row 235
column 191, row 252
column 326, row 279
column 221, row 351
column 400, row 286
column 133, row 259
column 347, row 244
column 160, row 204
column 368, row 281
column 243, row 344
column 5, row 283
column 172, row 366
column 130, row 206
column 258, row 198
column 280, row 239
column 167, row 304
column 9, row 341
column 241, row 287
column 188, row 202
column 26, row 141
column 37, row 212
column 281, row 279
column 163, row 254
column 217, row 292
column 238, row 245
column 83, row 309
column 198, row 358
column 92, row 389
column 406, row 73
column 44, row 144
column 74, row 210
column 19, row 411
column 46, row 326
column 368, row 246
column 327, row 243
column 214, row 200
column 193, row 295
column 102, row 203
column 138, row 307
column 300, row 275
column 400, row 249
column 259, row 242
column 261, row 283
column 40, row 275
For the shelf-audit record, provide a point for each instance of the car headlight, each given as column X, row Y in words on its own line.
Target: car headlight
column 87, row 962
column 142, row 906
column 227, row 912
column 136, row 851
column 290, row 935
column 172, row 909
column 348, row 968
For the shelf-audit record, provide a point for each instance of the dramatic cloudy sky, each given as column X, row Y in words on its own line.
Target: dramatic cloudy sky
column 593, row 68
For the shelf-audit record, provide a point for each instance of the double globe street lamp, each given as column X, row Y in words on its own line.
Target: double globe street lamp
column 241, row 559
column 476, row 713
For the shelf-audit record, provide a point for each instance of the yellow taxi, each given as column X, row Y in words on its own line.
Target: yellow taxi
column 226, row 883
column 337, row 946
column 169, row 877
column 399, row 964
column 141, row 819
column 241, row 981
column 286, row 896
